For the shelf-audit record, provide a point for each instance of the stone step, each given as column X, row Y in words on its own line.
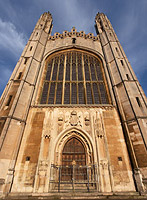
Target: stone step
column 76, row 196
column 75, row 187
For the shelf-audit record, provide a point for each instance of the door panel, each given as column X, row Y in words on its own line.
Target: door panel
column 73, row 160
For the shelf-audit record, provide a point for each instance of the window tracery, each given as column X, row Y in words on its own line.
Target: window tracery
column 74, row 77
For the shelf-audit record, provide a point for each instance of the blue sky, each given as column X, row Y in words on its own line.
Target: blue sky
column 18, row 19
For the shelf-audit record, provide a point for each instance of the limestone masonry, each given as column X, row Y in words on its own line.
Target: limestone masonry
column 73, row 118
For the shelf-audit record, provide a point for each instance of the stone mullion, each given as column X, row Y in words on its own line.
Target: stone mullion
column 70, row 80
column 105, row 84
column 56, row 82
column 77, row 77
column 84, row 83
column 99, row 93
column 50, row 81
column 91, row 85
column 63, row 82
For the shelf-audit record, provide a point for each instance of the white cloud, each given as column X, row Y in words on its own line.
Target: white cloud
column 10, row 39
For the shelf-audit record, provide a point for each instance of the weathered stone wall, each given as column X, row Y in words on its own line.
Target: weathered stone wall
column 131, row 101
column 48, row 129
column 34, row 135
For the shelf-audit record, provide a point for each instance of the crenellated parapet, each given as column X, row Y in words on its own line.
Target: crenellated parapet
column 73, row 34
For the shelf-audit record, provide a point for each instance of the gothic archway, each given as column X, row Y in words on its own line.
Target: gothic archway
column 82, row 136
column 74, row 159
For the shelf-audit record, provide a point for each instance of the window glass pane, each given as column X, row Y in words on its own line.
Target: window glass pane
column 104, row 99
column 73, row 71
column 48, row 74
column 80, row 73
column 81, row 93
column 52, row 93
column 61, row 68
column 62, row 58
column 67, row 93
column 96, row 94
column 87, row 74
column 44, row 93
column 55, row 68
column 92, row 72
column 74, row 94
column 99, row 72
column 67, row 71
column 74, row 57
column 89, row 96
column 59, row 93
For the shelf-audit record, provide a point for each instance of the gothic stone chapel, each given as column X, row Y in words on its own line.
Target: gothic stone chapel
column 73, row 117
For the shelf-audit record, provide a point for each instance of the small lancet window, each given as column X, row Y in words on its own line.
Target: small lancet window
column 36, row 33
column 138, row 101
column 73, row 40
column 122, row 62
column 117, row 51
column 31, row 48
column 25, row 61
column 19, row 76
column 127, row 75
column 9, row 100
column 119, row 158
column 28, row 158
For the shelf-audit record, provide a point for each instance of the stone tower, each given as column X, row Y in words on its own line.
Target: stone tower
column 73, row 117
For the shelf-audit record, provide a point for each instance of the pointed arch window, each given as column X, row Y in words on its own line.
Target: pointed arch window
column 74, row 77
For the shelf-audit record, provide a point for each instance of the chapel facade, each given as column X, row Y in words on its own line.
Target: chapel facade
column 73, row 116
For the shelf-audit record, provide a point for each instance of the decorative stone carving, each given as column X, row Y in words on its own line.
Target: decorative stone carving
column 99, row 128
column 104, row 164
column 138, row 178
column 87, row 119
column 144, row 180
column 42, row 172
column 60, row 121
column 2, row 181
column 47, row 136
column 73, row 119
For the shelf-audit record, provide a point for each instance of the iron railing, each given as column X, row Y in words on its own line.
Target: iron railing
column 65, row 177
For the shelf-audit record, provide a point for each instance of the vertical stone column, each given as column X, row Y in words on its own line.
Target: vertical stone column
column 20, row 97
column 130, row 100
column 104, row 162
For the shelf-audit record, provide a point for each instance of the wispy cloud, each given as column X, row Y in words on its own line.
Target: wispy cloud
column 10, row 39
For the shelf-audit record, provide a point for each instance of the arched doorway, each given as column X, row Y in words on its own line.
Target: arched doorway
column 73, row 161
column 74, row 168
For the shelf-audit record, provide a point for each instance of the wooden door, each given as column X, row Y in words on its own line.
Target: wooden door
column 73, row 161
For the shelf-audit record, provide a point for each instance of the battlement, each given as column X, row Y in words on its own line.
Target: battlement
column 73, row 34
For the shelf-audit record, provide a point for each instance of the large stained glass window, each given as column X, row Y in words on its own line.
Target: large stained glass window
column 74, row 77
